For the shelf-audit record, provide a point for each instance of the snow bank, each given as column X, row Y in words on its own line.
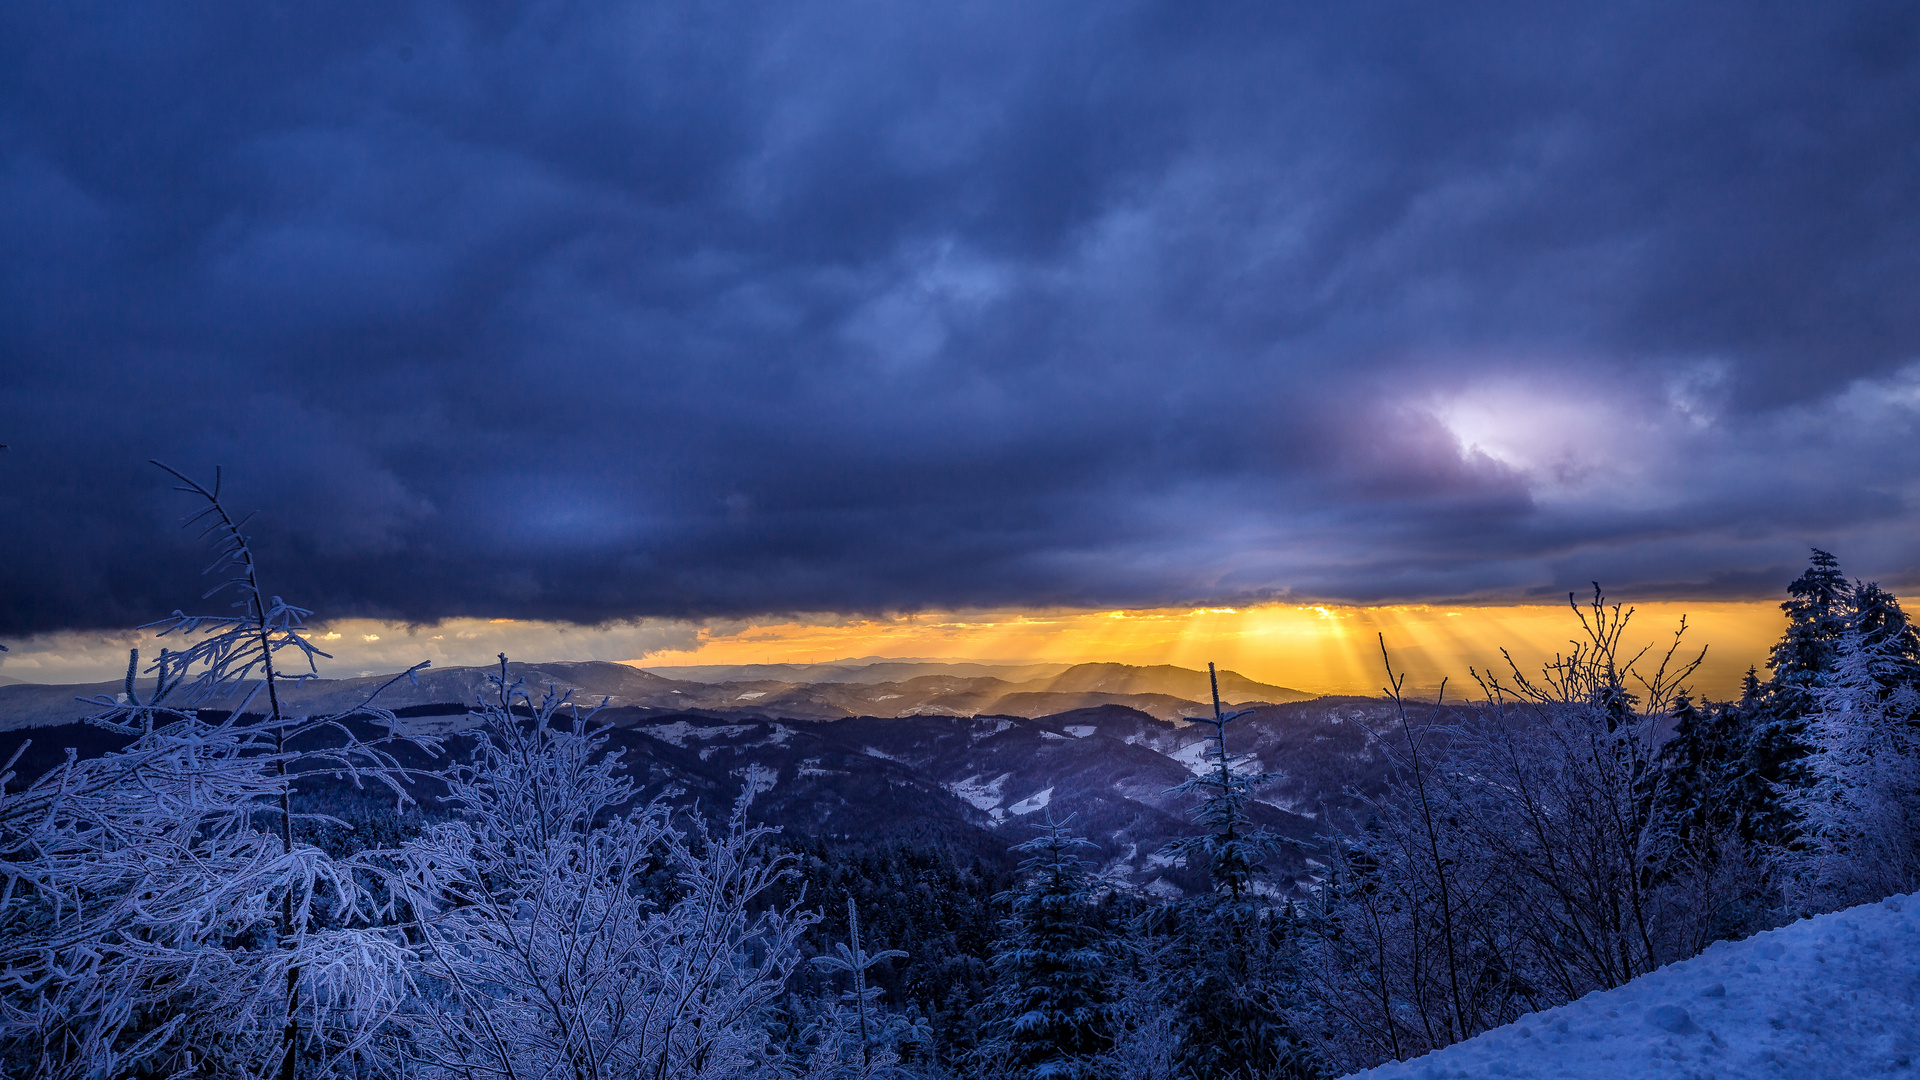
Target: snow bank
column 1827, row 998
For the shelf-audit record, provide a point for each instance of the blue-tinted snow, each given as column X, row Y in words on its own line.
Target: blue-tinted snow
column 1829, row 998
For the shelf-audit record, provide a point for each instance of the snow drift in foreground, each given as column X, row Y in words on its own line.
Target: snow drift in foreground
column 1837, row 996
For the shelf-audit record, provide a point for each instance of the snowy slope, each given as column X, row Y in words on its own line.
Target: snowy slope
column 1827, row 998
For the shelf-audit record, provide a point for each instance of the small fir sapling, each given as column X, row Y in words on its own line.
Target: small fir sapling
column 1228, row 985
column 851, row 958
column 1230, row 846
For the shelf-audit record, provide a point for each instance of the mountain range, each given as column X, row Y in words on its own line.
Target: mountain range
column 965, row 758
column 826, row 692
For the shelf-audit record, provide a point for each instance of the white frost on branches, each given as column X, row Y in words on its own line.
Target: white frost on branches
column 1862, row 811
column 157, row 913
column 569, row 933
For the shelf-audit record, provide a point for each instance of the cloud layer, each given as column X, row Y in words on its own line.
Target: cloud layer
column 603, row 311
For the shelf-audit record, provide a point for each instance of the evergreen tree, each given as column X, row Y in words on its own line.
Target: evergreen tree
column 1228, row 978
column 1735, row 767
column 1231, row 846
column 1231, row 979
column 1706, row 794
column 1884, row 632
column 1775, row 724
column 1699, row 764
column 853, row 959
column 1052, row 1021
column 1861, row 808
column 1816, row 619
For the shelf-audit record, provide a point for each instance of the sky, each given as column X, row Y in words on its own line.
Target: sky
column 642, row 323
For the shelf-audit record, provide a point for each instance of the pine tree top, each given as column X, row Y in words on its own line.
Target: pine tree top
column 1816, row 617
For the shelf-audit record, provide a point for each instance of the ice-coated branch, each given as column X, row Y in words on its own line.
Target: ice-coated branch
column 565, row 929
column 158, row 912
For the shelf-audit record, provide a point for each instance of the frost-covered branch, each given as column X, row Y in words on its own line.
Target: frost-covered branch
column 567, row 931
column 158, row 911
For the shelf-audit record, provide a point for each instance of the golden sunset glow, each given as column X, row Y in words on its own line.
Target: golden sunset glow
column 1320, row 649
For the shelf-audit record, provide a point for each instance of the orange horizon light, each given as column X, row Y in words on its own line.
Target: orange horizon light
column 1318, row 648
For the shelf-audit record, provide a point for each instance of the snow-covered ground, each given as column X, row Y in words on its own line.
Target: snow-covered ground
column 1829, row 998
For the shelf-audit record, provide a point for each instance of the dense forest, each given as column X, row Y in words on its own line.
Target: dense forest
column 235, row 891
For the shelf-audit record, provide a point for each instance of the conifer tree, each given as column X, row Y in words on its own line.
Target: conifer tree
column 1233, row 978
column 1230, row 954
column 1861, row 806
column 1701, row 765
column 1051, row 1005
column 1885, row 632
column 1775, row 740
column 1230, row 845
column 852, row 958
column 1817, row 616
column 1706, row 795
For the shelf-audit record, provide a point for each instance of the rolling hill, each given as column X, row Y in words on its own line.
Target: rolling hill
column 976, row 776
column 906, row 690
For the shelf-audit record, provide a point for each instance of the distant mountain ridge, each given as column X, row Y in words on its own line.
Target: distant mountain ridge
column 977, row 783
column 895, row 689
column 950, row 751
column 935, row 751
column 862, row 670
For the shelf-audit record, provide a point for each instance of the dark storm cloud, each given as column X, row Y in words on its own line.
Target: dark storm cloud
column 594, row 311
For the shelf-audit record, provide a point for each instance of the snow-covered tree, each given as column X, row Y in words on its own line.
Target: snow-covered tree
column 1861, row 813
column 1817, row 616
column 1226, row 978
column 1050, row 1008
column 1775, row 720
column 567, row 932
column 1231, row 976
column 851, row 958
column 159, row 913
column 836, row 1043
column 1229, row 845
column 1145, row 1024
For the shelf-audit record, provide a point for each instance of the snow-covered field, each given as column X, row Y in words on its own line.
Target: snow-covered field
column 1829, row 998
